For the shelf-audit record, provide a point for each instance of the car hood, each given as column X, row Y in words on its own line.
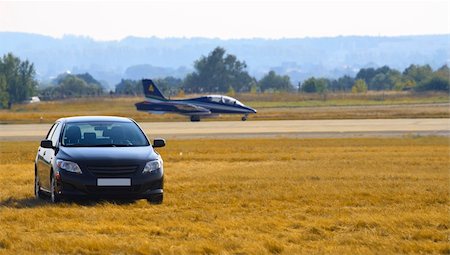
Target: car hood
column 107, row 155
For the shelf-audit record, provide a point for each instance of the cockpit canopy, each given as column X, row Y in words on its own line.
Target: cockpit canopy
column 224, row 99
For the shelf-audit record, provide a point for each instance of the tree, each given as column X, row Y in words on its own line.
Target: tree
column 435, row 83
column 274, row 82
column 69, row 85
column 344, row 83
column 169, row 85
column 438, row 80
column 379, row 82
column 322, row 87
column 19, row 78
column 393, row 76
column 73, row 86
column 129, row 87
column 319, row 85
column 379, row 79
column 366, row 74
column 4, row 96
column 404, row 84
column 443, row 72
column 360, row 86
column 309, row 86
column 217, row 72
column 418, row 73
column 86, row 77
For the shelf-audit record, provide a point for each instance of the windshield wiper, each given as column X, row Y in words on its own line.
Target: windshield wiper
column 91, row 145
column 104, row 145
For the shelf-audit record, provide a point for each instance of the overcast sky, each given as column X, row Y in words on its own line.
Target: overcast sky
column 106, row 20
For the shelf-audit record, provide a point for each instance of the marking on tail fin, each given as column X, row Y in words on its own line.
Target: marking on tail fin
column 151, row 90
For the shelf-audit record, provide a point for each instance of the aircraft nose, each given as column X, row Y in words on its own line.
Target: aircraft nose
column 252, row 110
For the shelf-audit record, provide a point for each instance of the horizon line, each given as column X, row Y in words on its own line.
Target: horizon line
column 217, row 38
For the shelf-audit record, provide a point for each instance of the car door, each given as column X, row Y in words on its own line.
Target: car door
column 41, row 166
column 47, row 155
column 51, row 153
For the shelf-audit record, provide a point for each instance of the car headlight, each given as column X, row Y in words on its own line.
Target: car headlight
column 152, row 166
column 68, row 166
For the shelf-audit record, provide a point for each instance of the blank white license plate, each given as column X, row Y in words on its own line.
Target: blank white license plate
column 113, row 182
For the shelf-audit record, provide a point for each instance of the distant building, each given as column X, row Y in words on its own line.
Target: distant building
column 33, row 100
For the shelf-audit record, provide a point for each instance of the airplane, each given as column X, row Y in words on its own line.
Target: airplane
column 195, row 108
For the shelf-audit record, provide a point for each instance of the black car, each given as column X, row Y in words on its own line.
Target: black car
column 98, row 157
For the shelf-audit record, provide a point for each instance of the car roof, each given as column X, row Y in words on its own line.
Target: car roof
column 94, row 118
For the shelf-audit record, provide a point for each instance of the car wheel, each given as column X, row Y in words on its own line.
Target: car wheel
column 156, row 199
column 195, row 118
column 37, row 187
column 54, row 196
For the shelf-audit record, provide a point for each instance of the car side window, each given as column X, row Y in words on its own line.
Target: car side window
column 50, row 132
column 56, row 134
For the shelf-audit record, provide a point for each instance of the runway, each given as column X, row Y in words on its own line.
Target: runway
column 276, row 128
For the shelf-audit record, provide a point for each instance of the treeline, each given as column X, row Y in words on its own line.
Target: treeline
column 415, row 77
column 72, row 85
column 169, row 86
column 17, row 80
column 18, row 83
column 224, row 73
column 217, row 72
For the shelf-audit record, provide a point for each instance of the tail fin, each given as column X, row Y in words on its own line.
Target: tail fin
column 150, row 89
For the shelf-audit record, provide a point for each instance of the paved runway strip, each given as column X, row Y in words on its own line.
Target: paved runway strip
column 283, row 128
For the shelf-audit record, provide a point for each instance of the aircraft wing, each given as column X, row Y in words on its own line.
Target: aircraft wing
column 191, row 109
column 173, row 107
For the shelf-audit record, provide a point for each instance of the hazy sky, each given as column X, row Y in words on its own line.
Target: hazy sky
column 112, row 20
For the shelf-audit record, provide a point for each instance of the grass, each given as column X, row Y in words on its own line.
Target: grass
column 249, row 196
column 370, row 98
column 270, row 107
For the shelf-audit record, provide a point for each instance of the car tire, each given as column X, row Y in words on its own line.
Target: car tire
column 156, row 199
column 54, row 197
column 38, row 193
column 195, row 118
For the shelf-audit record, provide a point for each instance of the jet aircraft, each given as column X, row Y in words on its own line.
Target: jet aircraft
column 195, row 108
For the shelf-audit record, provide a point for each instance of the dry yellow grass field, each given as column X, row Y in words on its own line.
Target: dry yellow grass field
column 249, row 196
column 279, row 106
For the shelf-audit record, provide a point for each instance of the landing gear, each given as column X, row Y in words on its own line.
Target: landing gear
column 195, row 118
column 244, row 118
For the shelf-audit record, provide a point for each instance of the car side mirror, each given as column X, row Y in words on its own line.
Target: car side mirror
column 47, row 144
column 159, row 143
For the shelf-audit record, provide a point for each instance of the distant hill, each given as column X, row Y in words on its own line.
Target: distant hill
column 132, row 57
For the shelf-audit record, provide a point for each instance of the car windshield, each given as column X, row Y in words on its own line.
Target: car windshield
column 103, row 134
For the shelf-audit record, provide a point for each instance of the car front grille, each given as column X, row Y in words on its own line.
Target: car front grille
column 112, row 171
column 113, row 190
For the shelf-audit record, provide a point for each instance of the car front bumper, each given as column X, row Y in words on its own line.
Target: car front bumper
column 85, row 185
